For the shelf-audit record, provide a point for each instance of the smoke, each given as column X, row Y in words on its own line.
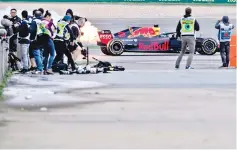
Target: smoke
column 90, row 32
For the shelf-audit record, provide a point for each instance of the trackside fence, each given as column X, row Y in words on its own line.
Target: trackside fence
column 205, row 2
column 4, row 57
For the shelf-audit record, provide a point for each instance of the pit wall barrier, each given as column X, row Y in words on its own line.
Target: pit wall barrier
column 233, row 51
column 3, row 58
column 205, row 2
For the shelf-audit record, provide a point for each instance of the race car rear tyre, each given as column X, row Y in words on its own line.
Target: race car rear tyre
column 115, row 48
column 104, row 50
column 201, row 52
column 209, row 47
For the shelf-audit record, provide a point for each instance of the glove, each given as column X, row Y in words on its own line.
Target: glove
column 6, row 17
column 83, row 52
column 16, row 25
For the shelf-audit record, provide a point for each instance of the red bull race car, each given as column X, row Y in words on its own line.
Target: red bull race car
column 149, row 39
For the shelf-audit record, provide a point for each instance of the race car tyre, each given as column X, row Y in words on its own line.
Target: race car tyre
column 209, row 47
column 199, row 50
column 104, row 50
column 115, row 47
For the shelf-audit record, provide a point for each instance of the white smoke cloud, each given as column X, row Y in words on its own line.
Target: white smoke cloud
column 90, row 32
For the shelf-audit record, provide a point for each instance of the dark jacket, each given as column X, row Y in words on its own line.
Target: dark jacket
column 24, row 32
column 178, row 28
column 15, row 20
column 75, row 32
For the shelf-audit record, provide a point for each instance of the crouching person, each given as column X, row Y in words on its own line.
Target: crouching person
column 76, row 26
column 63, row 38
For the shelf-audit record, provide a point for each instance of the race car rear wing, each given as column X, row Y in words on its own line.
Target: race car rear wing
column 104, row 37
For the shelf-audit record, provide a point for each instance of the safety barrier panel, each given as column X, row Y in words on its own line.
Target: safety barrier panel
column 233, row 51
column 230, row 2
column 3, row 58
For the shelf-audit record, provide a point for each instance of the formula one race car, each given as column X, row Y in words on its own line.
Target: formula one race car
column 149, row 39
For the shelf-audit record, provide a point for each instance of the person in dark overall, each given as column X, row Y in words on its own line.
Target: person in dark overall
column 76, row 26
column 16, row 21
column 224, row 36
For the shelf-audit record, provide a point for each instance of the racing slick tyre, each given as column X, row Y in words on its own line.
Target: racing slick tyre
column 209, row 47
column 115, row 47
column 104, row 50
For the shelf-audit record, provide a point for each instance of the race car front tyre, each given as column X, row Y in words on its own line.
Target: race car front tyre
column 104, row 50
column 209, row 47
column 115, row 47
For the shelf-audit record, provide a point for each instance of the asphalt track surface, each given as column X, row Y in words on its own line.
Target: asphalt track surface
column 150, row 105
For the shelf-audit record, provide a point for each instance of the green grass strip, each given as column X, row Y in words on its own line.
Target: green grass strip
column 3, row 84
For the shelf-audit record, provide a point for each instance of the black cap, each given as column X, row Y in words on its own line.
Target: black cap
column 24, row 14
column 188, row 11
column 225, row 19
column 38, row 13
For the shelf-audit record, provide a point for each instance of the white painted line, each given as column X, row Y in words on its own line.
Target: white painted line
column 169, row 62
column 184, row 70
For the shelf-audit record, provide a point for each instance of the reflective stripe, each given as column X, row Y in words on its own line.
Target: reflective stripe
column 225, row 32
column 187, row 26
column 27, row 38
column 62, row 31
column 57, row 39
column 41, row 28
